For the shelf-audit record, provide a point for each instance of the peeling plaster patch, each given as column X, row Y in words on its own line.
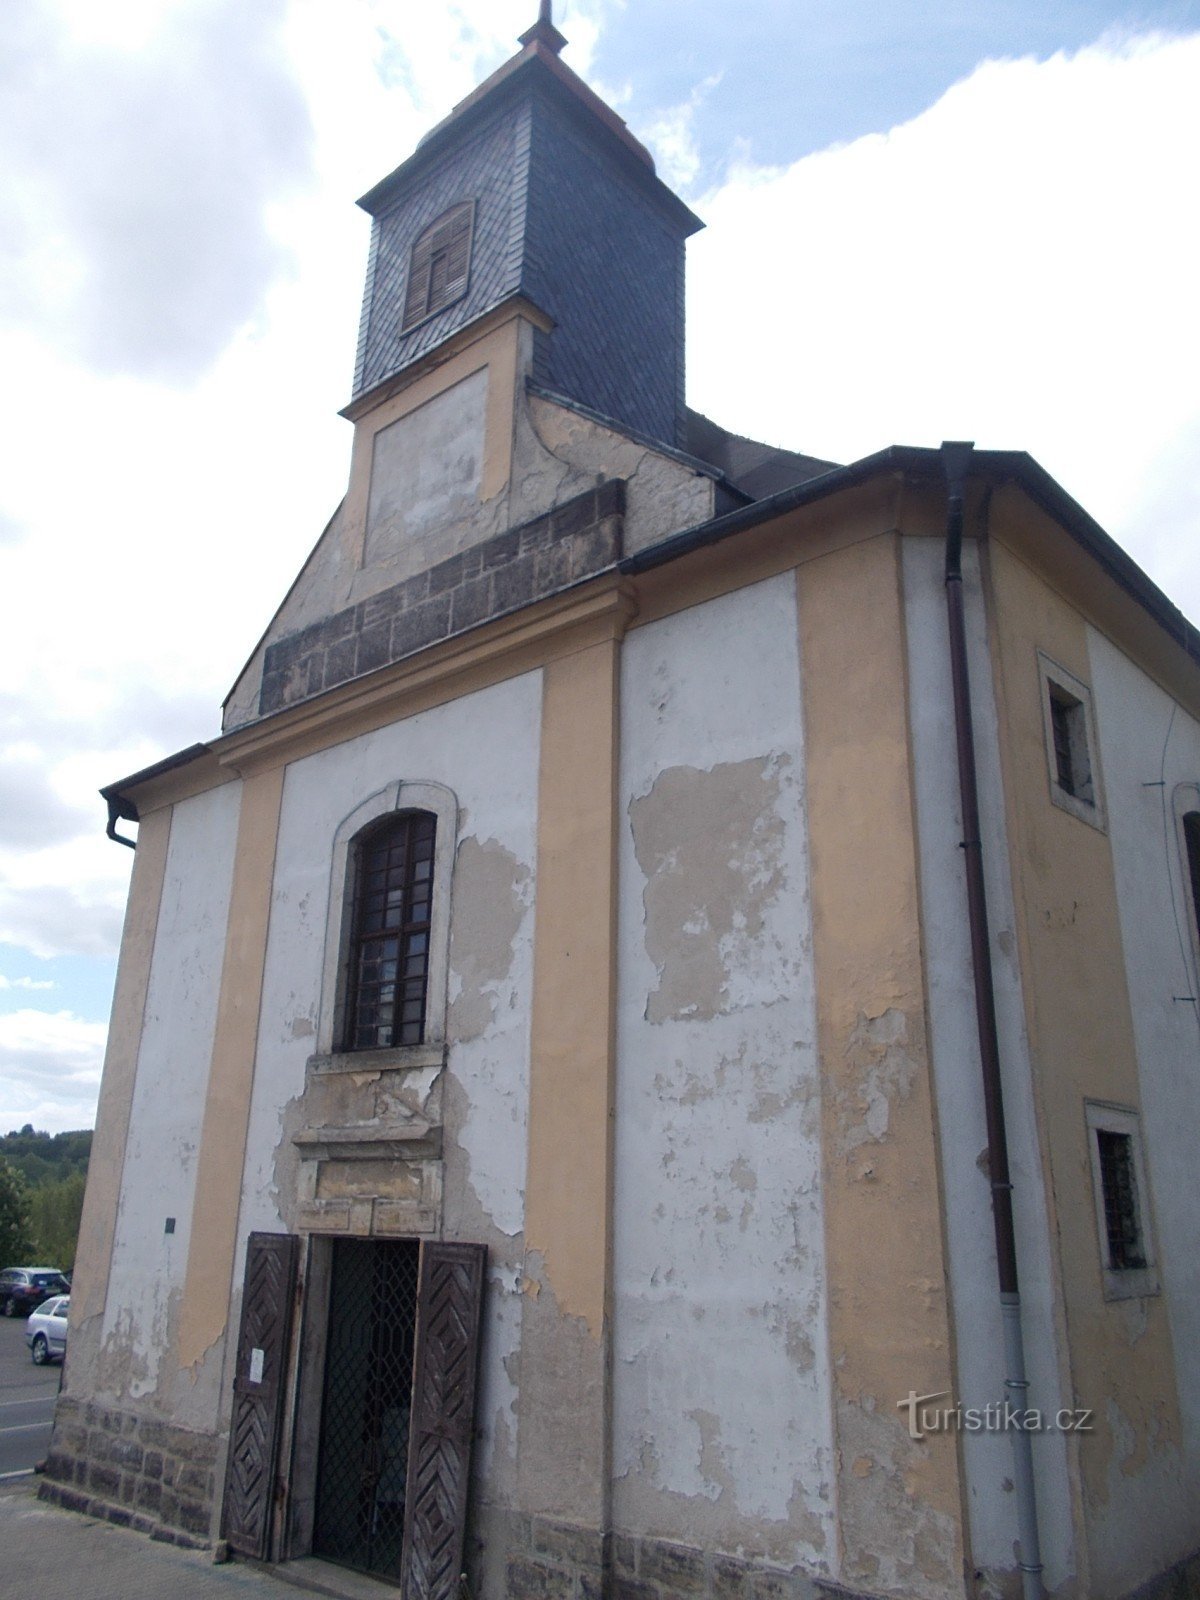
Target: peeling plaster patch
column 884, row 1069
column 710, row 844
column 123, row 1364
column 562, row 1444
column 711, row 1462
column 492, row 893
column 743, row 1176
column 708, row 1515
column 1135, row 1318
column 495, row 1462
column 488, row 1085
column 881, row 1489
column 800, row 1346
column 662, row 495
column 487, row 1114
column 807, row 1523
column 1126, row 1453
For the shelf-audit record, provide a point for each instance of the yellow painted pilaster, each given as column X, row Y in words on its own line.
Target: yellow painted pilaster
column 900, row 1510
column 213, row 1245
column 563, row 1461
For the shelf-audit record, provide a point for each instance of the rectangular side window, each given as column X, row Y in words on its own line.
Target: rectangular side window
column 1070, row 742
column 1122, row 1201
column 1118, row 1184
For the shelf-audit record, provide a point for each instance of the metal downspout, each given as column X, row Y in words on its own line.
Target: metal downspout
column 955, row 461
column 119, row 809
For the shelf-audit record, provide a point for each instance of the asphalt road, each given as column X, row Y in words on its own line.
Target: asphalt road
column 27, row 1395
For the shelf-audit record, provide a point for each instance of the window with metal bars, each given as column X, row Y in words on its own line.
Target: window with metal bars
column 1068, row 723
column 388, row 955
column 1118, row 1183
column 439, row 264
column 1071, row 749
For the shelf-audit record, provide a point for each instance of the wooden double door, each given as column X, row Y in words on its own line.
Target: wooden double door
column 397, row 1407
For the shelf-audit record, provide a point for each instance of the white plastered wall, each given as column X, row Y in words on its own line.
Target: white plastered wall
column 485, row 748
column 174, row 1056
column 987, row 1456
column 1150, row 760
column 722, row 1428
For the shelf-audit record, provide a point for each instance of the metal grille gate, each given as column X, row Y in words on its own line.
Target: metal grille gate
column 367, row 1406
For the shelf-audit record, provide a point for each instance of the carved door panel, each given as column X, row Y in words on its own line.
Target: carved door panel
column 258, row 1392
column 439, row 1463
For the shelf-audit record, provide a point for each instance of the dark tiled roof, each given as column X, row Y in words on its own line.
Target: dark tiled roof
column 491, row 168
column 608, row 267
column 757, row 470
column 568, row 215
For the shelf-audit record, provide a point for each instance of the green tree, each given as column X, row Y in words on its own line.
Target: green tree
column 55, row 1209
column 15, row 1233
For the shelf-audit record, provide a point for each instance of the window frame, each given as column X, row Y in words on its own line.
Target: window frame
column 410, row 322
column 406, row 838
column 1058, row 686
column 333, row 1052
column 1122, row 1283
column 1185, row 803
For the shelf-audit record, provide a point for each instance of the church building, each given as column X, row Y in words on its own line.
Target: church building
column 657, row 1054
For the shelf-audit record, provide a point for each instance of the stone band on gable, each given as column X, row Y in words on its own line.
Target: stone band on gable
column 577, row 540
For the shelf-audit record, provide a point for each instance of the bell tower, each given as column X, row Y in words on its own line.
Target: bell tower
column 533, row 189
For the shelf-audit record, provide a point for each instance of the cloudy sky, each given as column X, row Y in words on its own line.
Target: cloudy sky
column 977, row 221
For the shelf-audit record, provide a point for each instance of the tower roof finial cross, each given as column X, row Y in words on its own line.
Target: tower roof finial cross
column 544, row 31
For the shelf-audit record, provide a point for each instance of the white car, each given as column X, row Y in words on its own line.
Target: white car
column 46, row 1330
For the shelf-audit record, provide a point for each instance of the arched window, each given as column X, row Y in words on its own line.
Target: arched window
column 439, row 264
column 387, row 971
column 387, row 932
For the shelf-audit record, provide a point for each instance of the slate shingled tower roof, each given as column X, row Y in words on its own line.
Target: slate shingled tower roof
column 568, row 214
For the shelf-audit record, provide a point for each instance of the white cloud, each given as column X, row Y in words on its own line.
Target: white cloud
column 139, row 163
column 26, row 983
column 671, row 136
column 50, row 1063
column 1013, row 266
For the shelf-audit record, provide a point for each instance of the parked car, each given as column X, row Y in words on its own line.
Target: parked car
column 22, row 1289
column 46, row 1330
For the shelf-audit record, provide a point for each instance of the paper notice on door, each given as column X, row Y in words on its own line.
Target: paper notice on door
column 257, row 1358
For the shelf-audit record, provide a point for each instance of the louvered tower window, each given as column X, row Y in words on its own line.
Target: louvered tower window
column 439, row 265
column 389, row 945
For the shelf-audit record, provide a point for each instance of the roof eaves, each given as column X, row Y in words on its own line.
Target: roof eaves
column 775, row 505
column 119, row 792
column 999, row 466
column 1019, row 467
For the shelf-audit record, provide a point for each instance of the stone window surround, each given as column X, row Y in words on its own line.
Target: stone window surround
column 1127, row 1283
column 400, row 795
column 1050, row 676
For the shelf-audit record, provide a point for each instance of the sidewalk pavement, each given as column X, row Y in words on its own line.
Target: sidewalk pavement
column 62, row 1555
